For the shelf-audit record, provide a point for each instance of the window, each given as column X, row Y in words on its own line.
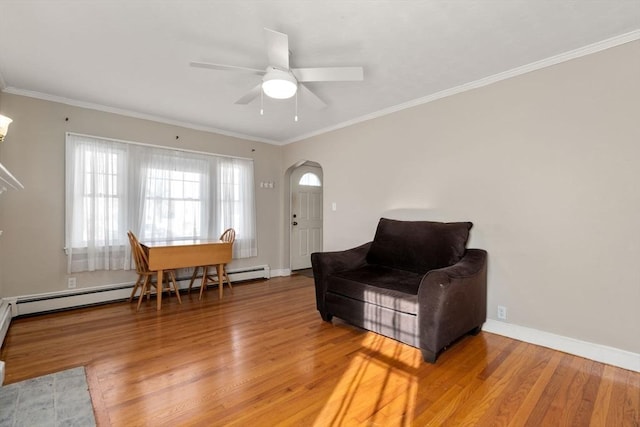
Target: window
column 96, row 205
column 174, row 196
column 310, row 179
column 158, row 193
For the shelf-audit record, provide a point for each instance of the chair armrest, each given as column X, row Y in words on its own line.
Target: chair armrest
column 326, row 263
column 453, row 300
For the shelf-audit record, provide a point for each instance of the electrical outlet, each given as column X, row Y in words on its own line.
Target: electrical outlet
column 71, row 282
column 502, row 312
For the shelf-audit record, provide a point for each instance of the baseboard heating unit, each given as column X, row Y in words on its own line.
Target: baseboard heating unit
column 5, row 319
column 62, row 300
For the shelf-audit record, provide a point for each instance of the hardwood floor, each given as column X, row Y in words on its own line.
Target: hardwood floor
column 262, row 356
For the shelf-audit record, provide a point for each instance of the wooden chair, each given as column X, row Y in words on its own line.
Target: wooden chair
column 229, row 236
column 145, row 276
column 133, row 241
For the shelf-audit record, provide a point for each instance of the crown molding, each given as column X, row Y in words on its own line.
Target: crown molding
column 514, row 72
column 130, row 113
column 544, row 63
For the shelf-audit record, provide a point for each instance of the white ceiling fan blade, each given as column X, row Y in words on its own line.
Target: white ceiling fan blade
column 310, row 98
column 277, row 49
column 328, row 74
column 227, row 68
column 251, row 95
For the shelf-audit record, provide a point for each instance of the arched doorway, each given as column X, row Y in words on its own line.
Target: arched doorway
column 305, row 213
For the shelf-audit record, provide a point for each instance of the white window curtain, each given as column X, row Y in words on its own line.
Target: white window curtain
column 235, row 204
column 172, row 192
column 96, row 208
column 158, row 193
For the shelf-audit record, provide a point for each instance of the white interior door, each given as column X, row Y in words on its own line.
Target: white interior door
column 306, row 215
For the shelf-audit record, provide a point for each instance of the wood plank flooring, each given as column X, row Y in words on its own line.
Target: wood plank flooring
column 262, row 356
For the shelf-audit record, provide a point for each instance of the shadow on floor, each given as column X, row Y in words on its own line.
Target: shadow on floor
column 307, row 272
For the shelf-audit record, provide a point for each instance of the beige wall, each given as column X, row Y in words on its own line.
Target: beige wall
column 32, row 259
column 544, row 164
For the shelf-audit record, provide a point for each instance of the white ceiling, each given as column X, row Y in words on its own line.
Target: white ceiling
column 132, row 56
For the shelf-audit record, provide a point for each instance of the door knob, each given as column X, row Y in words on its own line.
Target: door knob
column 295, row 223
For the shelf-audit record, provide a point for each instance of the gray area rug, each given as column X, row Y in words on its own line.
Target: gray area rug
column 58, row 399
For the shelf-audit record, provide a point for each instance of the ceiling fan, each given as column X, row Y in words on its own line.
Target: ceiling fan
column 279, row 81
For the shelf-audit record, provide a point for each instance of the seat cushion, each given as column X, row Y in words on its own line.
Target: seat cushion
column 383, row 286
column 418, row 246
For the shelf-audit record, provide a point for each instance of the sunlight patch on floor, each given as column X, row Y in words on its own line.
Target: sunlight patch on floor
column 361, row 397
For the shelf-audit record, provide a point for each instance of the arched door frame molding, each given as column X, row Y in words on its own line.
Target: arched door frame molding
column 287, row 208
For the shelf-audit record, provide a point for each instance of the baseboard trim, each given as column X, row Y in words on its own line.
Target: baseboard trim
column 599, row 353
column 67, row 299
column 279, row 272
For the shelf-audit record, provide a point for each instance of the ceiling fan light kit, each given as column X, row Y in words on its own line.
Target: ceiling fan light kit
column 279, row 84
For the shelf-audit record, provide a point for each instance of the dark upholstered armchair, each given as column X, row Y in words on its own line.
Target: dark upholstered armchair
column 415, row 282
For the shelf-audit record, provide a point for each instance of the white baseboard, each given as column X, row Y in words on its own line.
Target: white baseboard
column 281, row 272
column 599, row 353
column 61, row 300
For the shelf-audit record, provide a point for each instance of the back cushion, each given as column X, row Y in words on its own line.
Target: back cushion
column 418, row 246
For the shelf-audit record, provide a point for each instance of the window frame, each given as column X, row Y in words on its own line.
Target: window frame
column 315, row 181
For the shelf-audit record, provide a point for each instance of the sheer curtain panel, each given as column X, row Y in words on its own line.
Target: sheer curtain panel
column 158, row 193
column 96, row 205
column 173, row 192
column 235, row 207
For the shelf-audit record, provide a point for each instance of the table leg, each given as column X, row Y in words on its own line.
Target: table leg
column 159, row 289
column 220, row 278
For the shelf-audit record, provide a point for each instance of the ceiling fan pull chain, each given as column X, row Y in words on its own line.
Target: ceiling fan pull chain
column 261, row 102
column 295, row 118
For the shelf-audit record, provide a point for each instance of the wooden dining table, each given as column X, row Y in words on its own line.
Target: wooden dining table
column 171, row 255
